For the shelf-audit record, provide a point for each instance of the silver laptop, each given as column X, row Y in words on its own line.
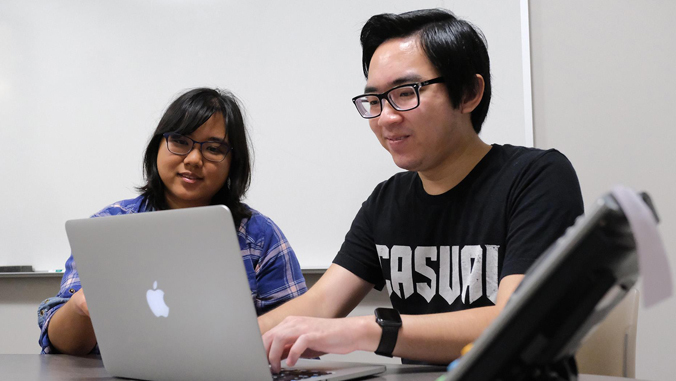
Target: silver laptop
column 170, row 300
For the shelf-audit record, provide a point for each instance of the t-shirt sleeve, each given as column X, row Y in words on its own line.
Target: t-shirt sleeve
column 545, row 201
column 358, row 253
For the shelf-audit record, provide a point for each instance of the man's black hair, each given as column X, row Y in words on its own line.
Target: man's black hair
column 455, row 48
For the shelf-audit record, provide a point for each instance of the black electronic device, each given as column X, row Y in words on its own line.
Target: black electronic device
column 566, row 292
column 390, row 321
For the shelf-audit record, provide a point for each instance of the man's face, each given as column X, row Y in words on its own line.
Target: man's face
column 425, row 138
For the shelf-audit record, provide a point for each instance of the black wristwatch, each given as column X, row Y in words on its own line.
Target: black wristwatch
column 390, row 321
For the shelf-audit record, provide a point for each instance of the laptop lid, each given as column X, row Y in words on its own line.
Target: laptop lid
column 169, row 297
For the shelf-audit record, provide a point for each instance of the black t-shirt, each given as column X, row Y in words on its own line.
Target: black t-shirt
column 448, row 252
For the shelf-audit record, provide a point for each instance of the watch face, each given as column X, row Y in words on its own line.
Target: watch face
column 387, row 316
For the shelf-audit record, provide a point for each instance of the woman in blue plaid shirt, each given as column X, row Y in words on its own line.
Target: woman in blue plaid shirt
column 198, row 156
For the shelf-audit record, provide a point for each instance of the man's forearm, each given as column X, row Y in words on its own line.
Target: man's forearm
column 335, row 294
column 304, row 305
column 439, row 338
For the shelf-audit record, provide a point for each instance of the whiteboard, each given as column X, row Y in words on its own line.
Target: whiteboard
column 83, row 84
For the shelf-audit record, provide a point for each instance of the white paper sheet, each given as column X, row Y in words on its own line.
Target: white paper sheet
column 652, row 257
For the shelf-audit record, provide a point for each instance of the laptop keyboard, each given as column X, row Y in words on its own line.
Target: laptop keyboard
column 298, row 374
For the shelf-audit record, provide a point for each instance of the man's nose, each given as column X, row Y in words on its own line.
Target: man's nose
column 388, row 114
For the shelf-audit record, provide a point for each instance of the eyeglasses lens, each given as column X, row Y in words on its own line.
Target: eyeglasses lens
column 179, row 145
column 214, row 151
column 403, row 98
column 368, row 105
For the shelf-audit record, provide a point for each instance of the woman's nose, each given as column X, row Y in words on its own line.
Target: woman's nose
column 194, row 156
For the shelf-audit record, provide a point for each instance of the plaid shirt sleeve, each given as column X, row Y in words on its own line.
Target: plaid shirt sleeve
column 70, row 283
column 272, row 267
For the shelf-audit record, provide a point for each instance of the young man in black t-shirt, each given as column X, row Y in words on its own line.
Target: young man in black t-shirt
column 450, row 238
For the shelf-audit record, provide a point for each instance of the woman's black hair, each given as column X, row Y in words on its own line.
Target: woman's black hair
column 454, row 47
column 185, row 115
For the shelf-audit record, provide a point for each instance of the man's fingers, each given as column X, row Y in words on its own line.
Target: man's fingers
column 267, row 342
column 297, row 349
column 278, row 348
column 275, row 355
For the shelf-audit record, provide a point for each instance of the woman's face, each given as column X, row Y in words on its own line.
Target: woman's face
column 191, row 180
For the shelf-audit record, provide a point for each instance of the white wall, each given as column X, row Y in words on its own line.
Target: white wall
column 19, row 300
column 604, row 93
column 84, row 82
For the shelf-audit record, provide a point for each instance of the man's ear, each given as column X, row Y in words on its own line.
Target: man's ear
column 472, row 98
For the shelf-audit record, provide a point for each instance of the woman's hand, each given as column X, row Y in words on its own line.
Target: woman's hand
column 79, row 303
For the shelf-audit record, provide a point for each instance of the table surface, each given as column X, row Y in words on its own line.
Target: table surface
column 90, row 368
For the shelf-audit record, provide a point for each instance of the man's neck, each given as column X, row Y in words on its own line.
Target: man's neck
column 457, row 166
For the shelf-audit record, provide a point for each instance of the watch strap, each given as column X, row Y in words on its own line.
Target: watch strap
column 388, row 340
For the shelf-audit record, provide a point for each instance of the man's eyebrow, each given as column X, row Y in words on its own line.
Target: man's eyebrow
column 412, row 78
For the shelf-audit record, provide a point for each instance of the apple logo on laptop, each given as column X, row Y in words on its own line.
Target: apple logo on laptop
column 156, row 301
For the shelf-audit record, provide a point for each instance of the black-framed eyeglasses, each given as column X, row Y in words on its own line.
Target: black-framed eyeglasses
column 215, row 151
column 402, row 98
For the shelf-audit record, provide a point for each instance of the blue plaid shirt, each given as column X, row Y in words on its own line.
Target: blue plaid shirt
column 271, row 266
